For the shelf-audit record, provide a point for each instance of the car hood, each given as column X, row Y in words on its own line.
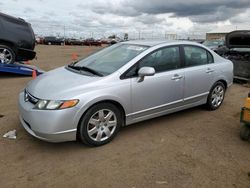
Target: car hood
column 238, row 39
column 212, row 47
column 61, row 84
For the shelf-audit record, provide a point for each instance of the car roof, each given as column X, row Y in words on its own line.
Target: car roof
column 157, row 42
column 12, row 18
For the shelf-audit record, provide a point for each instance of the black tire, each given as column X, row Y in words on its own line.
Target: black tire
column 83, row 130
column 210, row 99
column 11, row 56
column 245, row 133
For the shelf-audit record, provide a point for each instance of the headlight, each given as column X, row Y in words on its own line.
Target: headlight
column 41, row 104
column 55, row 104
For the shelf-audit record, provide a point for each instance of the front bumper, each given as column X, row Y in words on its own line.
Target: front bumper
column 55, row 137
column 48, row 125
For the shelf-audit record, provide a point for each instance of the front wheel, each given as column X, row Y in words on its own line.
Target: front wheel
column 216, row 96
column 100, row 124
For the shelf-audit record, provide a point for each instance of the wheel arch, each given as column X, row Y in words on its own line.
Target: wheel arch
column 208, row 103
column 10, row 44
column 7, row 43
column 224, row 82
column 117, row 104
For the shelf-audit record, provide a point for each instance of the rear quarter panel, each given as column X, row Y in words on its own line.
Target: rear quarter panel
column 224, row 70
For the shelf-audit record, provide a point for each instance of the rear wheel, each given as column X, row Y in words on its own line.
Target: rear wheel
column 100, row 124
column 216, row 96
column 7, row 55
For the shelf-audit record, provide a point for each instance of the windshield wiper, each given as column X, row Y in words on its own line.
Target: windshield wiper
column 85, row 69
column 74, row 62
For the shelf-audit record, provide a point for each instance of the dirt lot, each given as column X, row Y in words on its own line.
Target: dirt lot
column 192, row 148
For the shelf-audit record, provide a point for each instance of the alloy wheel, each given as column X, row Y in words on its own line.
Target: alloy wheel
column 217, row 95
column 5, row 56
column 102, row 125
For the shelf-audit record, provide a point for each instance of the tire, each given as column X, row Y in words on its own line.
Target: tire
column 245, row 133
column 7, row 55
column 216, row 96
column 96, row 128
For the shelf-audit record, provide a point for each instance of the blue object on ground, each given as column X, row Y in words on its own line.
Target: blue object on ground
column 19, row 68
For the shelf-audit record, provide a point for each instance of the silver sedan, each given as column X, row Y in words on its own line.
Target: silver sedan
column 129, row 82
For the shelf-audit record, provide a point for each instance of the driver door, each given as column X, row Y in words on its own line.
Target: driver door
column 163, row 91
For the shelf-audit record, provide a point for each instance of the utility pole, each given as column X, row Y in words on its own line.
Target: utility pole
column 64, row 34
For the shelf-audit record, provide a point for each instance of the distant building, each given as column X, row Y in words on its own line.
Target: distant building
column 221, row 32
column 170, row 36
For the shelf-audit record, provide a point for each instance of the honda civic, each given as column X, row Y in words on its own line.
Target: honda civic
column 129, row 82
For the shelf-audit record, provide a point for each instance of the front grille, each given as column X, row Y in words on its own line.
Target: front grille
column 29, row 98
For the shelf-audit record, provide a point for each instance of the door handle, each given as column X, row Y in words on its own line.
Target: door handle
column 176, row 77
column 209, row 70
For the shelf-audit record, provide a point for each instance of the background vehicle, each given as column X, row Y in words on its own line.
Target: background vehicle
column 122, row 84
column 53, row 41
column 238, row 51
column 113, row 41
column 92, row 42
column 214, row 44
column 105, row 41
column 39, row 40
column 73, row 41
column 17, row 40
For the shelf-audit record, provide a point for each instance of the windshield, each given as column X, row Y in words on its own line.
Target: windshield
column 213, row 43
column 111, row 58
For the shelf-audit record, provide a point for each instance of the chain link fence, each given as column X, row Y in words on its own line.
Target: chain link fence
column 65, row 31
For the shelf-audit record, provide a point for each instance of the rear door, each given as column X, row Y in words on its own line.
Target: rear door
column 198, row 73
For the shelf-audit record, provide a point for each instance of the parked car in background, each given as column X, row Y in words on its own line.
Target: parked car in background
column 105, row 41
column 113, row 41
column 214, row 44
column 17, row 40
column 73, row 41
column 53, row 40
column 39, row 40
column 125, row 83
column 92, row 42
column 237, row 50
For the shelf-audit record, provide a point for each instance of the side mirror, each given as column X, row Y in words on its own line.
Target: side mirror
column 145, row 71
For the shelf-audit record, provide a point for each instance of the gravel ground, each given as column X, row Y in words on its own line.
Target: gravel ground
column 192, row 148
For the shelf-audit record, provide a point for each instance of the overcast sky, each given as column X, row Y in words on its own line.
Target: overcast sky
column 147, row 18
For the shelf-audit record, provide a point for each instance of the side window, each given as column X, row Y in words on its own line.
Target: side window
column 162, row 60
column 210, row 58
column 195, row 56
column 132, row 72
